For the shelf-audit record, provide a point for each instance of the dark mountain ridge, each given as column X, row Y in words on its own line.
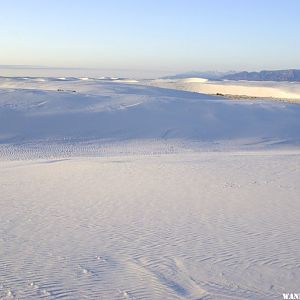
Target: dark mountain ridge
column 277, row 75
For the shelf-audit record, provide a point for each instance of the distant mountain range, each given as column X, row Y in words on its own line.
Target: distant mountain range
column 277, row 75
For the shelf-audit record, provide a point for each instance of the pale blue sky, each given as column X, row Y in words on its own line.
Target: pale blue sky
column 163, row 35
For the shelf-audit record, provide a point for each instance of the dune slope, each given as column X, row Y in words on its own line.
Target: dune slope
column 62, row 111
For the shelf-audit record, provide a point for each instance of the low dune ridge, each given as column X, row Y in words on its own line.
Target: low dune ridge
column 101, row 110
column 258, row 89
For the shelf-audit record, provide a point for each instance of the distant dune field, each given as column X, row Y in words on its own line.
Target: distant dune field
column 259, row 89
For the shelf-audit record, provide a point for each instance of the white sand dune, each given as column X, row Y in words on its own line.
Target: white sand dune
column 125, row 191
column 194, row 79
column 276, row 90
column 77, row 110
